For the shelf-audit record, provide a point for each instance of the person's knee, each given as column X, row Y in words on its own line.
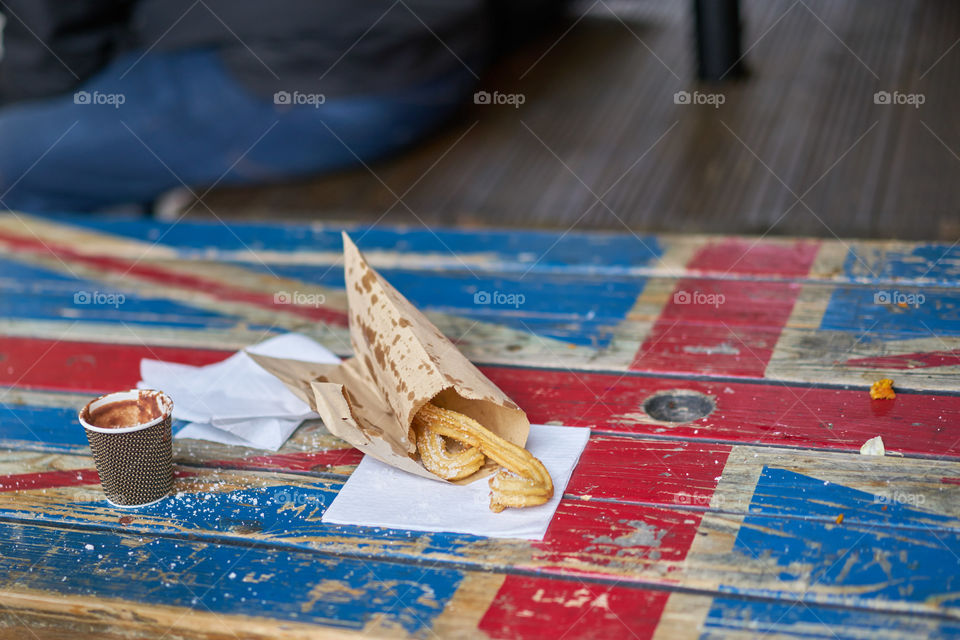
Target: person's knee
column 50, row 159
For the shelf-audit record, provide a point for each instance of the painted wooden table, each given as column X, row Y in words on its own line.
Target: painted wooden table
column 760, row 517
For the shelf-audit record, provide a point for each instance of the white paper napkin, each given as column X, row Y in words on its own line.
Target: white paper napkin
column 378, row 495
column 236, row 401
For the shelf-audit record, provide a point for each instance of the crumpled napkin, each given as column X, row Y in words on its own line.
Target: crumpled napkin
column 378, row 495
column 235, row 401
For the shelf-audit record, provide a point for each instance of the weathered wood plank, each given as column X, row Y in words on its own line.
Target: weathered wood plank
column 717, row 327
column 503, row 250
column 522, row 610
column 320, row 243
column 687, row 616
column 245, row 589
column 898, row 508
column 834, row 333
column 813, row 332
column 847, row 334
column 284, row 511
column 54, row 616
column 858, row 335
column 524, row 605
column 683, row 474
column 745, row 412
column 775, row 539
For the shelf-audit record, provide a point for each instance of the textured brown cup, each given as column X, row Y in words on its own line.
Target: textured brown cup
column 134, row 463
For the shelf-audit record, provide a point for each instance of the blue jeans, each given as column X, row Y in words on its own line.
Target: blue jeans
column 170, row 119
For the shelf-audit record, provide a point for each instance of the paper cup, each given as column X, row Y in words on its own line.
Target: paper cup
column 129, row 435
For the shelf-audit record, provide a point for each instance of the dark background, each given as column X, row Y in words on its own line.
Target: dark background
column 599, row 94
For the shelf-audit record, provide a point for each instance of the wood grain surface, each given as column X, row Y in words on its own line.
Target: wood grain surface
column 758, row 518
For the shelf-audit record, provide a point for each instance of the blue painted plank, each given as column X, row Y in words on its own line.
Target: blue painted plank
column 582, row 310
column 852, row 560
column 29, row 292
column 54, row 426
column 551, row 248
column 802, row 620
column 285, row 515
column 225, row 579
column 13, row 272
column 936, row 262
column 873, row 314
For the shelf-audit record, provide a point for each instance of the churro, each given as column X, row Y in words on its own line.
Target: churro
column 522, row 482
column 440, row 460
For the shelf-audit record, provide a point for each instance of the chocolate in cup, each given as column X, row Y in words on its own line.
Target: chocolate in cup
column 129, row 435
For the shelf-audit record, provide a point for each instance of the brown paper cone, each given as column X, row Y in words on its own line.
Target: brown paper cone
column 401, row 361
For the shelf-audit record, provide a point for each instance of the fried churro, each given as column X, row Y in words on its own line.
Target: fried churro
column 522, row 482
column 440, row 460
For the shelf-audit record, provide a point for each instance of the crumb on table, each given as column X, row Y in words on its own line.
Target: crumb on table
column 882, row 390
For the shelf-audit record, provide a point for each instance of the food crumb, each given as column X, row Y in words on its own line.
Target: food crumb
column 840, row 519
column 88, row 547
column 873, row 447
column 882, row 390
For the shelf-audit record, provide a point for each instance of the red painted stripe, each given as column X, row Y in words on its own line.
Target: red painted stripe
column 526, row 608
column 158, row 275
column 776, row 414
column 605, row 531
column 49, row 479
column 653, row 471
column 950, row 480
column 909, row 360
column 54, row 479
column 85, row 366
column 727, row 327
column 757, row 258
column 300, row 461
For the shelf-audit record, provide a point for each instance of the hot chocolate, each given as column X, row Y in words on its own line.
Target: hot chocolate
column 126, row 413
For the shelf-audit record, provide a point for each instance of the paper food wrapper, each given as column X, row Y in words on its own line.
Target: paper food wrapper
column 401, row 361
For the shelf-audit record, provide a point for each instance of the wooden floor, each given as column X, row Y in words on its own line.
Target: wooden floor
column 600, row 120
